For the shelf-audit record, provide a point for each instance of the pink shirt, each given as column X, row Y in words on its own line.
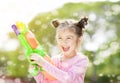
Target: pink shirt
column 70, row 71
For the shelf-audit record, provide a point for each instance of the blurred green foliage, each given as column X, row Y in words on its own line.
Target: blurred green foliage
column 100, row 44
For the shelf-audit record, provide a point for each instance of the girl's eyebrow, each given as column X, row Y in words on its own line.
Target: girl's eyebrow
column 69, row 36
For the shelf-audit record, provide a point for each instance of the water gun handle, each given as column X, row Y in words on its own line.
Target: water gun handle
column 38, row 49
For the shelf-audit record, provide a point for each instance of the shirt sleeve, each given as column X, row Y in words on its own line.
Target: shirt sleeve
column 76, row 70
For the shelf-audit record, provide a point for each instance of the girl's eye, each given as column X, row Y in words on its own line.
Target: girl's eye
column 59, row 38
column 69, row 38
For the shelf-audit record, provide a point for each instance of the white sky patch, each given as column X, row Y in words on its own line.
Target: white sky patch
column 10, row 45
column 22, row 10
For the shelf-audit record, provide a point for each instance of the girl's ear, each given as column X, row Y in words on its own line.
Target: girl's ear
column 80, row 39
column 55, row 23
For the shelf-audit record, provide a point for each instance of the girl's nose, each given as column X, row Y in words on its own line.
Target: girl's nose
column 64, row 42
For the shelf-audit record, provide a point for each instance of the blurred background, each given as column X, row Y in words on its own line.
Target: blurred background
column 100, row 44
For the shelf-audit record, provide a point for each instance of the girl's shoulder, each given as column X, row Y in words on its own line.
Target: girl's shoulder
column 83, row 59
column 81, row 55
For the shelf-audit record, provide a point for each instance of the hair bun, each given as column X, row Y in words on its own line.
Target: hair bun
column 55, row 23
column 82, row 22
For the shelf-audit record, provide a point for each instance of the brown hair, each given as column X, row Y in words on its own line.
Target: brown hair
column 78, row 26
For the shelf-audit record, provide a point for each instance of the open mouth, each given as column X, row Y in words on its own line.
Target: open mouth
column 65, row 49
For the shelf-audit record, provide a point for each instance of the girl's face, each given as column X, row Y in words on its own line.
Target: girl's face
column 67, row 41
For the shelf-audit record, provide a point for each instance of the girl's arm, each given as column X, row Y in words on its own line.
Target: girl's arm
column 77, row 70
column 74, row 72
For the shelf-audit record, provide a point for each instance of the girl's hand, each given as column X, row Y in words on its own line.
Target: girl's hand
column 30, row 68
column 36, row 58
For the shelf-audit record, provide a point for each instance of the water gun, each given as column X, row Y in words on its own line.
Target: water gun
column 29, row 42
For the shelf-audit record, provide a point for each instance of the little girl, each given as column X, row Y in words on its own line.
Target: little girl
column 70, row 66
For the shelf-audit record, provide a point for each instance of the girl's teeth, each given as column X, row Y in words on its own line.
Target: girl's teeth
column 65, row 49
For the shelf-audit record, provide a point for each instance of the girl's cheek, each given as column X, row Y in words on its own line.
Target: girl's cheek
column 59, row 46
column 70, row 43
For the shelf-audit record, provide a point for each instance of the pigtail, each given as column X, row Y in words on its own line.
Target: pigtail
column 82, row 23
column 55, row 23
column 78, row 26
